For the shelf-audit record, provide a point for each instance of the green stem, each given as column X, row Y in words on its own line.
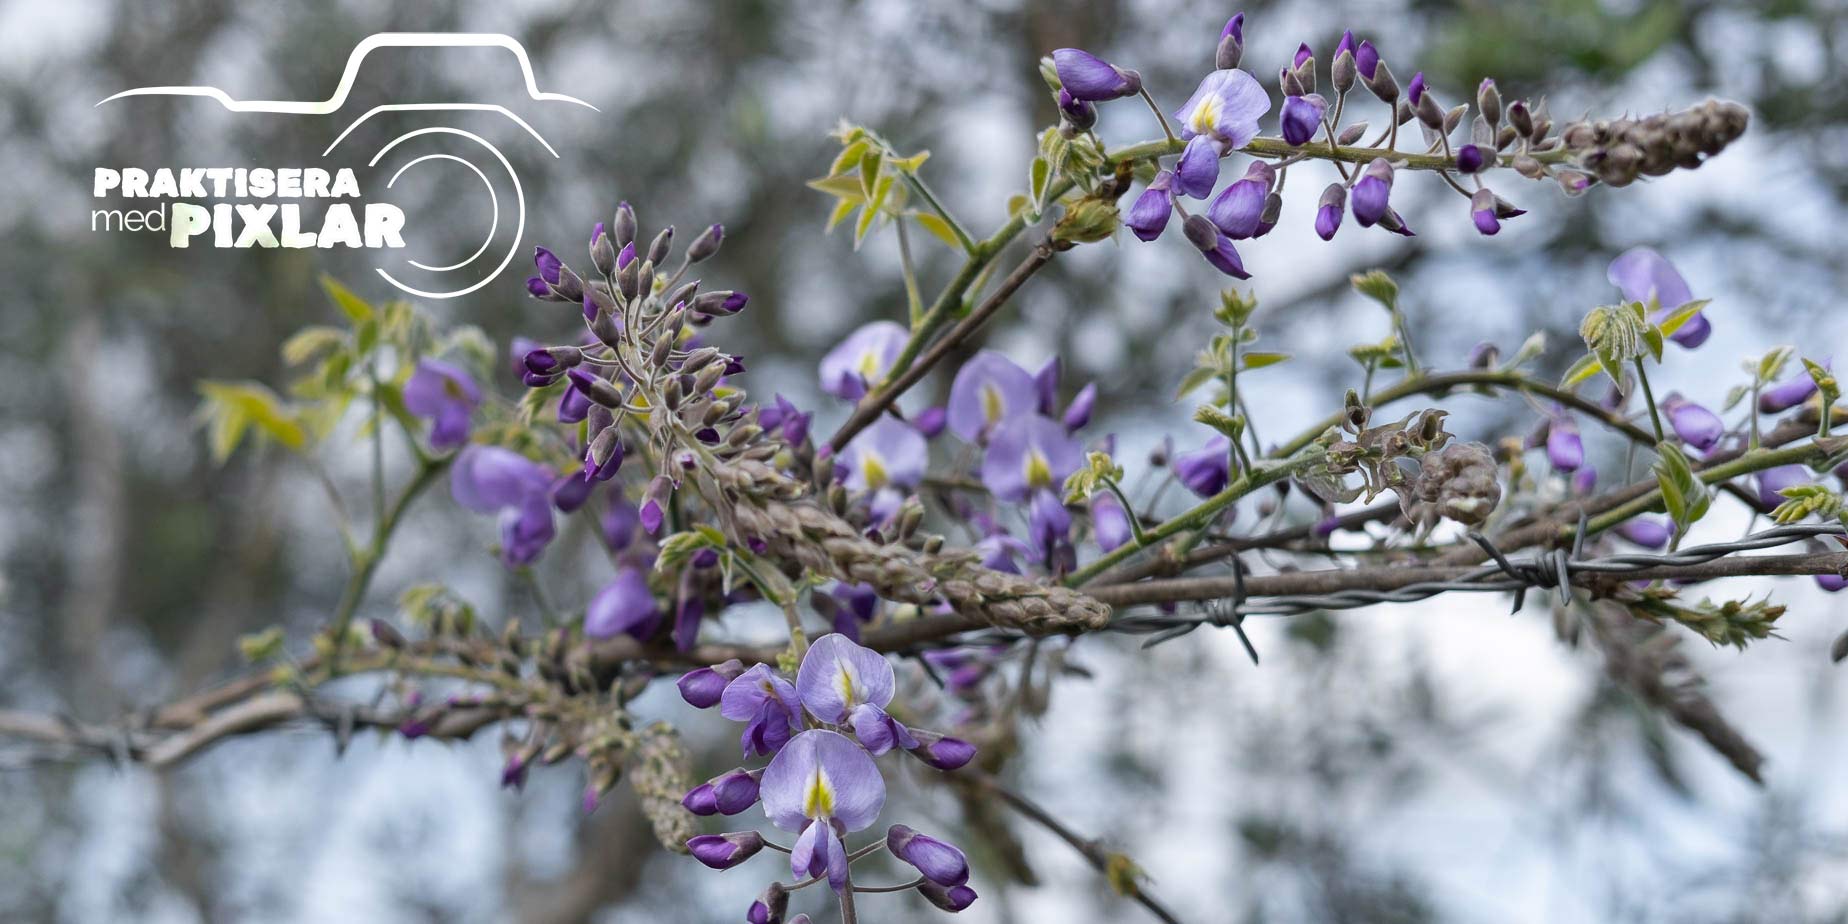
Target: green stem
column 1198, row 516
column 366, row 561
column 923, row 190
column 1655, row 417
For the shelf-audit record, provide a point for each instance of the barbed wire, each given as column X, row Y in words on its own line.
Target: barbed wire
column 1554, row 570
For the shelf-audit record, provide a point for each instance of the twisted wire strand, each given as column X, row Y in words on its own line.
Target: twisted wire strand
column 1501, row 575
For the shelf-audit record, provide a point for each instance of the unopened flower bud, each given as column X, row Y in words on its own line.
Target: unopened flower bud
column 623, row 228
column 1231, row 44
column 595, row 387
column 602, row 252
column 1489, row 102
column 707, row 244
column 724, row 851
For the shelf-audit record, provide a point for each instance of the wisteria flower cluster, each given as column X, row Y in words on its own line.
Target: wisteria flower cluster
column 822, row 734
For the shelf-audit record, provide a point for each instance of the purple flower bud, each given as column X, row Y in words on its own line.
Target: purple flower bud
column 706, row 245
column 548, row 265
column 1302, row 117
column 626, row 256
column 1831, row 582
column 1564, row 449
column 727, row 794
column 931, row 420
column 1367, row 60
column 940, row 863
column 724, row 851
column 536, row 287
column 573, row 406
column 1585, row 479
column 1216, row 247
column 1648, row 532
column 569, row 493
column 1148, row 215
column 1470, row 158
column 1372, row 192
column 1092, row 79
column 1329, row 211
column 603, row 457
column 1080, row 113
column 1414, row 92
column 1231, row 44
column 1482, row 212
column 702, row 687
column 1697, row 426
column 1078, row 413
column 769, row 907
column 952, row 899
column 942, row 751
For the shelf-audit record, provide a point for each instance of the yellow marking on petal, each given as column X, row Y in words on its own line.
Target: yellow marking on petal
column 869, row 364
column 844, row 680
column 1039, row 472
column 818, row 797
column 992, row 405
column 1205, row 116
column 873, row 469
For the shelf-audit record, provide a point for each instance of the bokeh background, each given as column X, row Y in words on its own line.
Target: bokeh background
column 1436, row 762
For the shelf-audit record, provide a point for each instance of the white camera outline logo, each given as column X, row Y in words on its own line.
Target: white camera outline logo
column 333, row 104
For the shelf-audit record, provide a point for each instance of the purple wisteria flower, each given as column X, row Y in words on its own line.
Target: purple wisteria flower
column 988, row 389
column 1238, row 210
column 1373, row 192
column 489, row 479
column 1302, row 117
column 1771, row 481
column 1565, row 449
column 837, row 676
column 861, row 360
column 1648, row 532
column 1109, row 521
column 1206, row 470
column 702, row 687
column 1789, row 393
column 1221, row 117
column 1091, row 79
column 822, row 784
column 1328, row 211
column 1028, row 453
column 1644, row 275
column 1148, row 215
column 726, row 794
column 765, row 701
column 889, row 452
column 625, row 604
column 445, row 394
column 1697, row 426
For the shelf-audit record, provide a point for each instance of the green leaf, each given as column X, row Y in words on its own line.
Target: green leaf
column 1192, row 380
column 938, row 228
column 842, row 209
column 1682, row 315
column 848, row 158
column 231, row 408
column 1771, row 365
column 841, row 187
column 869, row 171
column 1581, row 371
column 355, row 308
column 1684, row 495
column 311, row 341
column 1260, row 359
column 1377, row 286
column 1037, row 176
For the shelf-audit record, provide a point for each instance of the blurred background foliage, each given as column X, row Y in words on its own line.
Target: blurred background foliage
column 1315, row 792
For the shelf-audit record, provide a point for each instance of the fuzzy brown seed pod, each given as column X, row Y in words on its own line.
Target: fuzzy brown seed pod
column 661, row 773
column 1458, row 483
column 1620, row 150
